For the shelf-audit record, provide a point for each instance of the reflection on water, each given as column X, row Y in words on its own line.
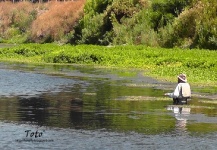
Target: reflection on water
column 96, row 104
column 33, row 110
column 181, row 114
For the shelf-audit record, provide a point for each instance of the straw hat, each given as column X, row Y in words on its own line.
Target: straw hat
column 183, row 77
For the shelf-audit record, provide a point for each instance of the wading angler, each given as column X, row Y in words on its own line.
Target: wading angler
column 182, row 91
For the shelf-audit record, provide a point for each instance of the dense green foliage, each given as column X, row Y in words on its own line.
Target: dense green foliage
column 199, row 65
column 156, row 23
column 174, row 23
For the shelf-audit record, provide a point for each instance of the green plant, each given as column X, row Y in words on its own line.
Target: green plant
column 199, row 65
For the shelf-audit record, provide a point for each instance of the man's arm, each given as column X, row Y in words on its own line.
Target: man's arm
column 176, row 92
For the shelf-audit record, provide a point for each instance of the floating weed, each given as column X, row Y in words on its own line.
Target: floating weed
column 140, row 85
column 142, row 98
column 126, row 74
column 199, row 129
column 90, row 94
column 193, row 106
column 204, row 89
column 209, row 101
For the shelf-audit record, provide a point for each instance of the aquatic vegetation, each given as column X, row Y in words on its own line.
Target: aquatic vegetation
column 143, row 98
column 164, row 64
column 209, row 102
column 90, row 94
column 194, row 106
column 202, row 128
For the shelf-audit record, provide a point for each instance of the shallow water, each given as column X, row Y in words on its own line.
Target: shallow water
column 82, row 107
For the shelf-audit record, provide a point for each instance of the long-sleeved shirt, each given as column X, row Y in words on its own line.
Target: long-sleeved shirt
column 181, row 90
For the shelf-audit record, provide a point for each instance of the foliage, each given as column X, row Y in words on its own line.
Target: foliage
column 135, row 30
column 94, row 26
column 199, row 65
column 94, row 30
column 127, row 22
column 56, row 22
column 131, row 26
column 194, row 27
column 156, row 23
column 98, row 26
column 165, row 11
column 206, row 25
column 16, row 19
column 46, row 22
column 96, row 6
column 175, row 23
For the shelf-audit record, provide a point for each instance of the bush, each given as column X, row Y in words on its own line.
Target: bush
column 181, row 32
column 97, row 26
column 127, row 22
column 165, row 11
column 131, row 26
column 56, row 22
column 16, row 19
column 194, row 27
column 165, row 23
column 206, row 25
column 93, row 28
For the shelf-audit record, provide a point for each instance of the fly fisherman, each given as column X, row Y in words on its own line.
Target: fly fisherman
column 182, row 91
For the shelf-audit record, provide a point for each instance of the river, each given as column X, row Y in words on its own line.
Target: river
column 85, row 107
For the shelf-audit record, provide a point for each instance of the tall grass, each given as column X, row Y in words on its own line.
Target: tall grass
column 199, row 65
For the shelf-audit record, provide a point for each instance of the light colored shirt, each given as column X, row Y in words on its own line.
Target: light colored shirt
column 181, row 90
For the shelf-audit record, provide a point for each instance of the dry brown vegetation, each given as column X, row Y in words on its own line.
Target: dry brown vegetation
column 15, row 16
column 57, row 21
column 41, row 22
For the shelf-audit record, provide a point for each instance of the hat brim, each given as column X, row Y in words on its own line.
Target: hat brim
column 182, row 79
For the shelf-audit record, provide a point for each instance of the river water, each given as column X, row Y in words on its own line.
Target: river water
column 83, row 107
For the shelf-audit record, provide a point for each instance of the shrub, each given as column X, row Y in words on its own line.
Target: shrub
column 57, row 21
column 182, row 32
column 165, row 11
column 16, row 18
column 206, row 25
column 97, row 26
column 93, row 28
column 135, row 30
column 127, row 22
column 131, row 26
column 194, row 27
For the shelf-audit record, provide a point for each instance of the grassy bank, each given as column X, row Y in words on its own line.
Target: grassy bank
column 199, row 65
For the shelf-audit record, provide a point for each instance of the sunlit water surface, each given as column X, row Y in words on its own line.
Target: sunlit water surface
column 82, row 107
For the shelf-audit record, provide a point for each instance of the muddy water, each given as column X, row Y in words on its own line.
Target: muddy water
column 82, row 107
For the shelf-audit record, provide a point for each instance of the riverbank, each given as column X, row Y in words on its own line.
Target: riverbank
column 82, row 102
column 163, row 64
